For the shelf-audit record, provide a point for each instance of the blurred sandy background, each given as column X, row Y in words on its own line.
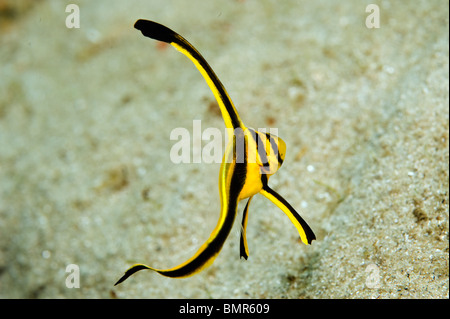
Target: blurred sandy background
column 86, row 178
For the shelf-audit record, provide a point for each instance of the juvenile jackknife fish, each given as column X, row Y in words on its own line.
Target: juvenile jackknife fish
column 244, row 171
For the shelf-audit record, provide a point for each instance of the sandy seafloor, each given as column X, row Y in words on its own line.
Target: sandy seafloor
column 86, row 177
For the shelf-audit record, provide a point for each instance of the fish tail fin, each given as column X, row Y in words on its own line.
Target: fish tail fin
column 133, row 269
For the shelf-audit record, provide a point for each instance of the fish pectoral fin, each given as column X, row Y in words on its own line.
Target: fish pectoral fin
column 243, row 241
column 133, row 269
column 305, row 232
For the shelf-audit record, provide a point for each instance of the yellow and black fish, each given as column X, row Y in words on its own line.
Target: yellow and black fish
column 250, row 158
